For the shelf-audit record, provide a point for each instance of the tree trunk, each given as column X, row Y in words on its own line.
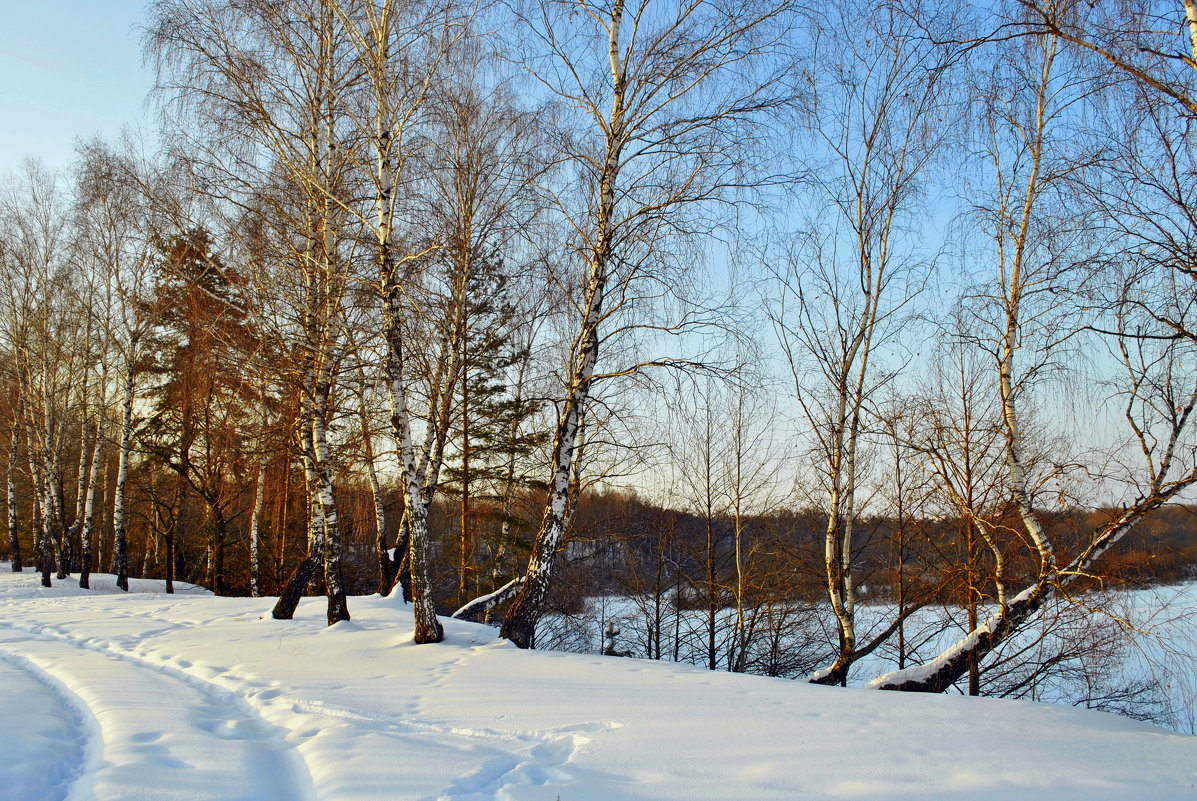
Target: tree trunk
column 402, row 559
column 255, row 532
column 427, row 627
column 62, row 535
column 712, row 592
column 292, row 594
column 81, row 478
column 463, row 561
column 89, row 509
column 480, row 608
column 46, row 543
column 952, row 664
column 46, row 555
column 519, row 626
column 293, row 591
column 218, row 548
column 387, row 566
column 524, row 614
column 14, row 541
column 41, row 536
column 338, row 608
column 174, row 535
column 122, row 472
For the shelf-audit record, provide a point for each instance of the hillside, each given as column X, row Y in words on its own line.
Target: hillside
column 198, row 697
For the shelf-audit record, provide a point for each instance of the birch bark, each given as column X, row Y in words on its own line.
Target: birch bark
column 119, row 521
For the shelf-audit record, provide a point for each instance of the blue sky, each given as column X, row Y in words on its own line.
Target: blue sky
column 68, row 69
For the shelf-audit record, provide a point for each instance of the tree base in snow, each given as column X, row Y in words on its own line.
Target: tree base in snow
column 288, row 599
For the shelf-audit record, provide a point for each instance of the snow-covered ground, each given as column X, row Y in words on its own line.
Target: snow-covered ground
column 189, row 696
column 1133, row 651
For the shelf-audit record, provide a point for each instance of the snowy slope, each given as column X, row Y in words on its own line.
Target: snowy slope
column 151, row 696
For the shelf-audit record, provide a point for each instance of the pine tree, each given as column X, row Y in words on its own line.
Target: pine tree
column 492, row 412
column 197, row 353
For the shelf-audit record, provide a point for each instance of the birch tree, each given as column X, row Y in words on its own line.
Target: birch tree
column 1149, row 49
column 10, row 496
column 1153, row 43
column 952, row 436
column 484, row 158
column 261, row 85
column 847, row 284
column 399, row 47
column 99, row 297
column 121, row 232
column 667, row 103
column 40, row 325
column 1035, row 251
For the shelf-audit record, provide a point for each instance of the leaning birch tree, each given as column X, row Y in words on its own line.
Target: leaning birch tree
column 1037, row 263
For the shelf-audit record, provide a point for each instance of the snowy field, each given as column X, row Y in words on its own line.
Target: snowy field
column 1131, row 651
column 189, row 696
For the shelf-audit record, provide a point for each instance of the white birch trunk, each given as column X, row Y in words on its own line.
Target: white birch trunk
column 122, row 471
column 479, row 608
column 14, row 540
column 40, row 507
column 338, row 609
column 89, row 507
column 427, row 628
column 521, row 621
column 255, row 532
column 81, row 478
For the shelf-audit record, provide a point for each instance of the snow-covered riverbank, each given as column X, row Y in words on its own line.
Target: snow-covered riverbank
column 189, row 696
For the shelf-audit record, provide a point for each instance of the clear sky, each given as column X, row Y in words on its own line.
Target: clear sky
column 69, row 69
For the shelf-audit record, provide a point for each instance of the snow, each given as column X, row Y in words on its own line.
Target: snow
column 190, row 696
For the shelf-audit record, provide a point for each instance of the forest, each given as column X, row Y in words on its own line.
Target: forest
column 785, row 324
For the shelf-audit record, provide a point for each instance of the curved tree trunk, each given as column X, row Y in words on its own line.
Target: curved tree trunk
column 953, row 664
column 525, row 612
column 519, row 626
column 480, row 608
column 293, row 591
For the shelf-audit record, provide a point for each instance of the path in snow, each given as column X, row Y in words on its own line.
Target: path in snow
column 149, row 734
column 43, row 728
column 337, row 747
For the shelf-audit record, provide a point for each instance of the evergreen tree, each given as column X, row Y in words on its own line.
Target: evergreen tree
column 202, row 397
column 491, row 426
